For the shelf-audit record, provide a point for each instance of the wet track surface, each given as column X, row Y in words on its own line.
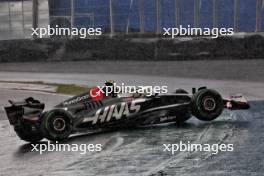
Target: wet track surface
column 140, row 151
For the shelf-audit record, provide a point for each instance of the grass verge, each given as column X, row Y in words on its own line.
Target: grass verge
column 71, row 89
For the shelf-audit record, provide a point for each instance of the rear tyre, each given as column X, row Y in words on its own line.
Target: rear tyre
column 56, row 125
column 26, row 132
column 206, row 104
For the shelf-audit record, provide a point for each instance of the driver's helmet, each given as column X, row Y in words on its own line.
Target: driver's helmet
column 111, row 83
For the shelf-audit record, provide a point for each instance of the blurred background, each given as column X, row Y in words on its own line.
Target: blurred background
column 128, row 16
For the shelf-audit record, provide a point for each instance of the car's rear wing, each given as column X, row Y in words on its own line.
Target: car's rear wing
column 19, row 109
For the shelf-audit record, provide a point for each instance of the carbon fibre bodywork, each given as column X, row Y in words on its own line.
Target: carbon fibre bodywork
column 84, row 113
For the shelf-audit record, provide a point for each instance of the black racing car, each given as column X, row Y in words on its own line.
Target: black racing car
column 83, row 112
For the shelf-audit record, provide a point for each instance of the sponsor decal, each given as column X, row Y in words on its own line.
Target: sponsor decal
column 236, row 96
column 115, row 111
column 77, row 100
column 97, row 94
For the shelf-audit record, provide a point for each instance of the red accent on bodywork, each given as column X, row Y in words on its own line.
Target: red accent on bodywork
column 32, row 119
column 97, row 94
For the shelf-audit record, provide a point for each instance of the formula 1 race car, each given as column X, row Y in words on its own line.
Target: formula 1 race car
column 85, row 112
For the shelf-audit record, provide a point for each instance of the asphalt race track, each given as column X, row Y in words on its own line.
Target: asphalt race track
column 140, row 151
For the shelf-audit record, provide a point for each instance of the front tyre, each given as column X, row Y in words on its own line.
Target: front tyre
column 56, row 125
column 206, row 104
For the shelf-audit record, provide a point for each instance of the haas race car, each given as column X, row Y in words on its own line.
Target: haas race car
column 85, row 112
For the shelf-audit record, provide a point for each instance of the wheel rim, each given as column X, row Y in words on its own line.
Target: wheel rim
column 59, row 124
column 209, row 104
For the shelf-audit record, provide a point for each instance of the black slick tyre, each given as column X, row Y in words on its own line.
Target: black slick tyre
column 206, row 104
column 56, row 125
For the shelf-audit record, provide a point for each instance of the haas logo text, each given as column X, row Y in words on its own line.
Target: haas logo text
column 115, row 111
